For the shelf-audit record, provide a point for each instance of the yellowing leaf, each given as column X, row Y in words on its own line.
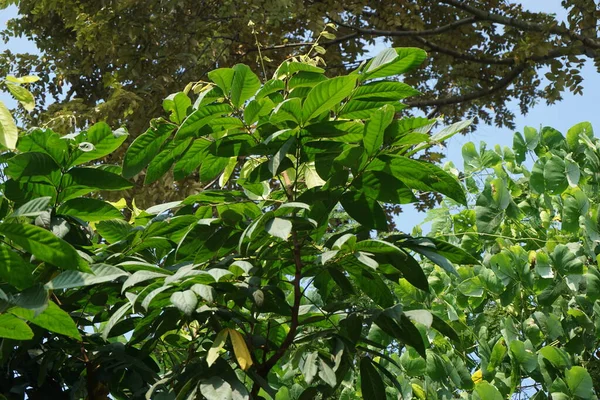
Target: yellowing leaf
column 8, row 128
column 240, row 349
column 23, row 79
column 213, row 352
column 418, row 391
column 477, row 376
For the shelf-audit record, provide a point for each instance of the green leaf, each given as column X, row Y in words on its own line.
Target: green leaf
column 90, row 210
column 244, row 86
column 384, row 187
column 565, row 261
column 573, row 134
column 32, row 208
column 8, row 129
column 30, row 164
column 100, row 273
column 45, row 141
column 199, row 118
column 486, row 391
column 420, row 175
column 555, row 176
column 401, row 328
column 145, row 147
column 223, row 77
column 558, row 357
column 94, row 178
column 164, row 160
column 15, row 270
column 15, row 328
column 114, row 230
column 385, row 64
column 116, row 317
column 325, row 95
column 185, row 301
column 279, row 227
column 326, row 373
column 43, row 245
column 371, row 384
column 525, row 357
column 579, row 381
column 21, row 94
column 364, row 210
column 532, row 138
column 177, row 104
column 375, row 127
column 53, row 319
column 384, row 91
column 192, row 158
column 277, row 158
column 471, row 287
column 310, row 367
column 104, row 140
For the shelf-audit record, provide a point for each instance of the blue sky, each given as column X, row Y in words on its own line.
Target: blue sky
column 571, row 110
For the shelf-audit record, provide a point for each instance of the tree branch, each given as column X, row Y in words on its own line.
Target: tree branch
column 397, row 33
column 503, row 83
column 301, row 44
column 523, row 25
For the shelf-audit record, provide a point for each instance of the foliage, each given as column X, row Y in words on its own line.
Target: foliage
column 124, row 57
column 227, row 293
column 531, row 309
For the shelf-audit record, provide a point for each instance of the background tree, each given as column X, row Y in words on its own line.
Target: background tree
column 108, row 60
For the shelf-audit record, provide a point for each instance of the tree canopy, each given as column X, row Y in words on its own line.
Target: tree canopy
column 116, row 60
column 256, row 290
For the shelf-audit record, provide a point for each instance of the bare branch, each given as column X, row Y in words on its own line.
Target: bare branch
column 523, row 25
column 399, row 33
column 501, row 84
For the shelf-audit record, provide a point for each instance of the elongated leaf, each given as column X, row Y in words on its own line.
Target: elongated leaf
column 32, row 208
column 116, row 317
column 215, row 349
column 164, row 160
column 30, row 164
column 15, row 328
column 199, row 118
column 53, row 319
column 101, row 273
column 145, row 147
column 8, row 128
column 96, row 178
column 141, row 276
column 23, row 95
column 43, row 245
column 104, row 140
column 420, row 175
column 385, row 64
column 240, row 349
column 192, row 158
column 326, row 373
column 114, row 230
column 15, row 270
column 89, row 209
column 375, row 128
column 177, row 105
column 244, row 86
column 325, row 95
column 365, row 210
column 223, row 77
column 371, row 384
column 384, row 91
column 310, row 368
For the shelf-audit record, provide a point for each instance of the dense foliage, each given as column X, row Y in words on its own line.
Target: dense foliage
column 114, row 58
column 245, row 291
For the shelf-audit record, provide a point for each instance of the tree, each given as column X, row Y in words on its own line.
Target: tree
column 112, row 60
column 531, row 308
column 225, row 293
